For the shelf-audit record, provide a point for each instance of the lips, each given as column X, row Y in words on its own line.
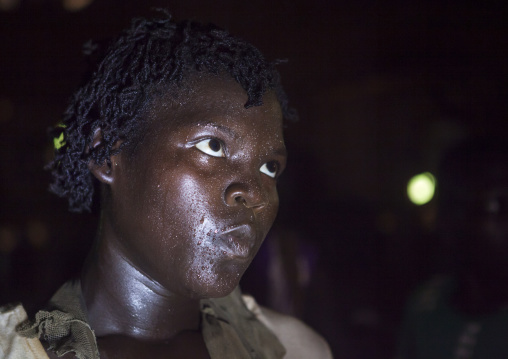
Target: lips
column 238, row 242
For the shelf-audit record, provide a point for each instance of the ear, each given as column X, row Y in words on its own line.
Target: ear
column 104, row 172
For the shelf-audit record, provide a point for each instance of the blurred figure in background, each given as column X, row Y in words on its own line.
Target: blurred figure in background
column 464, row 314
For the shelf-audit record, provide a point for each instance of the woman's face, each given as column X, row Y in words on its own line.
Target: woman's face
column 193, row 204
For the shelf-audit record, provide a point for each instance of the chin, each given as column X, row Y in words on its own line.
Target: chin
column 213, row 285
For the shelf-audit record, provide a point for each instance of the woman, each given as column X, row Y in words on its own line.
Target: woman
column 181, row 126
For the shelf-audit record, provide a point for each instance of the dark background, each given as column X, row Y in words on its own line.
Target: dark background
column 382, row 88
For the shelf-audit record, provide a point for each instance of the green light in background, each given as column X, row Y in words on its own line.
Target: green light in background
column 421, row 188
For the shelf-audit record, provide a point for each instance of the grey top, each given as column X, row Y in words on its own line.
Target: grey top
column 228, row 327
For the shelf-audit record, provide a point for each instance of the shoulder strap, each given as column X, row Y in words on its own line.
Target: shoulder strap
column 231, row 330
column 63, row 324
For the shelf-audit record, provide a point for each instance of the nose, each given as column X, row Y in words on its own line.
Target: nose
column 251, row 194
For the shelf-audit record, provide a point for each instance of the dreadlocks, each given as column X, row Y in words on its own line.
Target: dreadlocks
column 150, row 57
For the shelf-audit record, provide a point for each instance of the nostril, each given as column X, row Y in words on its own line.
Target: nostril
column 238, row 194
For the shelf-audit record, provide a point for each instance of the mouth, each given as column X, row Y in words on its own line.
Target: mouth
column 238, row 241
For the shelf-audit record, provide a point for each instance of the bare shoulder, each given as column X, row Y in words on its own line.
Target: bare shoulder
column 299, row 339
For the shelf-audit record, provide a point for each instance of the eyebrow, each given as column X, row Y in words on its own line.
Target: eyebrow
column 282, row 151
column 222, row 128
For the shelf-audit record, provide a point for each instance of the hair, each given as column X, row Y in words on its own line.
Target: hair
column 147, row 59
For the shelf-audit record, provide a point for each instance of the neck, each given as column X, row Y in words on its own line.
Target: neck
column 121, row 300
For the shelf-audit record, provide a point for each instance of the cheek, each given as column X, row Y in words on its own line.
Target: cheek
column 199, row 195
column 192, row 215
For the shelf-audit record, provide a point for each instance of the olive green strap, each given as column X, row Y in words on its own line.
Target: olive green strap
column 230, row 330
column 64, row 328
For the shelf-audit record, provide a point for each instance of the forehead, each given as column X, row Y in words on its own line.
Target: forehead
column 208, row 98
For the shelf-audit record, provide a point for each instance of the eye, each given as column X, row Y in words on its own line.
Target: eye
column 270, row 168
column 211, row 146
